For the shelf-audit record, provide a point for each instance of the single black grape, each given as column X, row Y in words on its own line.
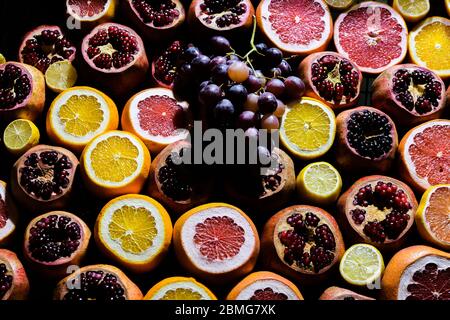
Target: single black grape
column 210, row 95
column 219, row 74
column 294, row 87
column 267, row 103
column 273, row 56
column 237, row 94
column 275, row 86
column 190, row 53
column 220, row 45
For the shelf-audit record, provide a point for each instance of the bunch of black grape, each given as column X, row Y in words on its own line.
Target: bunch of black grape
column 231, row 91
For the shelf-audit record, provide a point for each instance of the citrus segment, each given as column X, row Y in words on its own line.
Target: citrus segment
column 60, row 76
column 412, row 10
column 20, row 135
column 179, row 288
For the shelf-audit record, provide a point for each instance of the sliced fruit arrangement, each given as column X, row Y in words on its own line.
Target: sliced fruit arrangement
column 43, row 178
column 45, row 45
column 412, row 10
column 115, row 163
column 377, row 210
column 20, row 135
column 308, row 128
column 336, row 293
column 425, row 156
column 176, row 182
column 216, row 242
column 432, row 216
column 319, row 183
column 366, row 140
column 8, row 215
column 264, row 285
column 417, row 273
column 331, row 78
column 372, row 35
column 89, row 13
column 409, row 93
column 135, row 231
column 115, row 58
column 14, row 283
column 429, row 44
column 157, row 118
column 362, row 265
column 54, row 242
column 79, row 114
column 302, row 242
column 157, row 20
column 60, row 76
column 22, row 91
column 179, row 288
column 97, row 282
column 297, row 27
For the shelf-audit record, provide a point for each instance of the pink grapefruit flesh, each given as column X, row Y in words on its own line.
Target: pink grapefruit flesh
column 85, row 8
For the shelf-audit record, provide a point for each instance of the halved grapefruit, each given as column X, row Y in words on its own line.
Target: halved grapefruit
column 8, row 215
column 425, row 155
column 155, row 116
column 296, row 26
column 217, row 242
column 373, row 35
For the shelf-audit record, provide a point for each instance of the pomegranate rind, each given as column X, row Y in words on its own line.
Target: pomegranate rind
column 20, row 286
column 31, row 108
column 383, row 98
column 261, row 280
column 348, row 158
column 397, row 268
column 131, row 123
column 263, row 14
column 88, row 22
column 422, row 217
column 60, row 267
column 132, row 291
column 407, row 168
column 214, row 271
column 9, row 227
column 373, row 5
column 158, row 290
column 336, row 293
column 355, row 233
column 271, row 246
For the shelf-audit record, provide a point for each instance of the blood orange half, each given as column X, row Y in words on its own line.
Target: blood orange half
column 373, row 35
column 296, row 26
column 425, row 155
column 217, row 242
column 155, row 116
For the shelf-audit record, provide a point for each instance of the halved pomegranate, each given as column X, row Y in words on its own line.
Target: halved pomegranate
column 14, row 283
column 89, row 13
column 97, row 282
column 378, row 210
column 178, row 185
column 302, row 242
column 42, row 179
column 116, row 58
column 55, row 241
column 227, row 16
column 366, row 140
column 22, row 91
column 8, row 215
column 45, row 45
column 336, row 293
column 156, row 19
column 331, row 78
column 164, row 66
column 409, row 93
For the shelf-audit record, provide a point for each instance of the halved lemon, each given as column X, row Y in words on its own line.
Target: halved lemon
column 412, row 10
column 20, row 135
column 340, row 4
column 429, row 45
column 2, row 59
column 115, row 163
column 79, row 114
column 308, row 128
column 179, row 288
column 319, row 183
column 60, row 76
column 135, row 231
column 362, row 265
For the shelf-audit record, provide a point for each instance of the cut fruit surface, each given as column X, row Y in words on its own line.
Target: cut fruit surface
column 135, row 231
column 78, row 115
column 60, row 76
column 340, row 4
column 91, row 10
column 429, row 45
column 296, row 26
column 179, row 288
column 412, row 10
column 20, row 135
column 8, row 215
column 372, row 35
column 308, row 128
column 362, row 264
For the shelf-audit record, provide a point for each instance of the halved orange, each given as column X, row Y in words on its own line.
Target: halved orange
column 179, row 288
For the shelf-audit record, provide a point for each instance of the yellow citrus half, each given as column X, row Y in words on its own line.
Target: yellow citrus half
column 2, row 59
column 179, row 288
column 60, row 76
column 20, row 135
column 340, row 4
column 412, row 10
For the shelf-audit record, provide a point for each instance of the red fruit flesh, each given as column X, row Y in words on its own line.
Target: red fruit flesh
column 22, row 91
column 164, row 67
column 410, row 94
column 87, row 9
column 268, row 294
column 45, row 45
column 14, row 283
column 8, row 215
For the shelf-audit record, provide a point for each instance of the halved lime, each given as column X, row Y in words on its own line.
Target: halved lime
column 20, row 135
column 60, row 76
